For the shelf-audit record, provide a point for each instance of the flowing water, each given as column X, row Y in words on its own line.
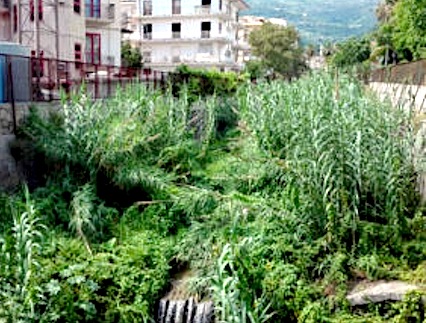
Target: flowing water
column 185, row 311
column 179, row 306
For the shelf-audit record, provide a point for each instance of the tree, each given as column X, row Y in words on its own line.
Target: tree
column 409, row 28
column 131, row 57
column 277, row 48
column 351, row 52
column 402, row 30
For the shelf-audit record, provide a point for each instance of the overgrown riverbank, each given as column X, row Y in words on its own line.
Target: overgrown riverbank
column 277, row 198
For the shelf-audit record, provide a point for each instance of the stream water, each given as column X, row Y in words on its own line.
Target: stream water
column 185, row 311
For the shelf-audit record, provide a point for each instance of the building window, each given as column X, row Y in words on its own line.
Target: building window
column 77, row 6
column 32, row 10
column 77, row 55
column 176, row 30
column 147, row 31
column 147, row 7
column 220, row 5
column 93, row 8
column 205, row 29
column 15, row 18
column 93, row 48
column 206, row 3
column 220, row 28
column 176, row 7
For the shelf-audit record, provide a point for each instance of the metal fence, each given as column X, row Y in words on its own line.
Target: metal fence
column 44, row 79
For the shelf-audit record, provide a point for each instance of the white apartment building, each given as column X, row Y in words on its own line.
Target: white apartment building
column 73, row 30
column 198, row 33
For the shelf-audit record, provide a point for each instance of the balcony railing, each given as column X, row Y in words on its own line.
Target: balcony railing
column 176, row 59
column 202, row 10
column 176, row 34
column 147, row 35
column 205, row 34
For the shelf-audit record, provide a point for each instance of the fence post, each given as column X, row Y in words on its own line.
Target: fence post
column 12, row 94
column 96, row 82
column 49, row 78
column 162, row 79
column 108, row 81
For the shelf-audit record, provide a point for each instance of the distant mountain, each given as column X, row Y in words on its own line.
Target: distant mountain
column 320, row 20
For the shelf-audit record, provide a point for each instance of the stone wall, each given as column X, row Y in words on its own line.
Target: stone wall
column 9, row 174
column 6, row 117
column 12, row 171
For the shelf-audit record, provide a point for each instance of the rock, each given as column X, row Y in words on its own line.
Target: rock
column 380, row 292
column 9, row 177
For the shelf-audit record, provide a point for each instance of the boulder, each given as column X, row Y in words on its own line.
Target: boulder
column 377, row 292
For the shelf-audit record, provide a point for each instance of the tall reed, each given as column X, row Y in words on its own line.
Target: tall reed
column 348, row 158
column 19, row 265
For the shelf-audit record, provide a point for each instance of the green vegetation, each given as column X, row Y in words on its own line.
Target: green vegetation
column 404, row 29
column 131, row 57
column 400, row 36
column 277, row 197
column 277, row 49
column 351, row 52
column 194, row 82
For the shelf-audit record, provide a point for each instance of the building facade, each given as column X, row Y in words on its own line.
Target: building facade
column 5, row 20
column 197, row 33
column 78, row 30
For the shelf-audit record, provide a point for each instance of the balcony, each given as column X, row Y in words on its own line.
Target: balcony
column 198, row 12
column 205, row 34
column 206, row 37
column 202, row 10
column 97, row 14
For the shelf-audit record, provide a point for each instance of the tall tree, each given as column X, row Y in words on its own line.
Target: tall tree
column 278, row 49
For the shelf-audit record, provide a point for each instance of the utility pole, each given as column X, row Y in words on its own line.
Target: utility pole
column 19, row 18
column 56, row 4
column 37, row 43
column 37, row 27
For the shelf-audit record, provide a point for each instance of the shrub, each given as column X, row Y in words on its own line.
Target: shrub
column 200, row 83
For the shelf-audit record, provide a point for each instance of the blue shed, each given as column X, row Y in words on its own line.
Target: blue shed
column 19, row 56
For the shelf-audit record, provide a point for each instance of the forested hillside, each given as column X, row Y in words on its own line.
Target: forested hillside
column 321, row 20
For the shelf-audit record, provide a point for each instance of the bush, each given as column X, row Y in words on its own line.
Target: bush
column 200, row 83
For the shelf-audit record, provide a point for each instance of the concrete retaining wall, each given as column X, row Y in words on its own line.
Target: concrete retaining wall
column 410, row 97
